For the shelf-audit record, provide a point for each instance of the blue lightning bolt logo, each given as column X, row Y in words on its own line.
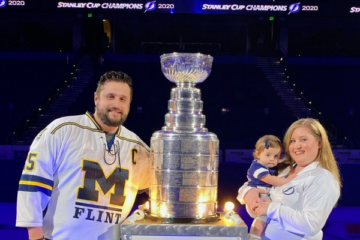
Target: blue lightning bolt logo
column 294, row 8
column 149, row 6
column 2, row 3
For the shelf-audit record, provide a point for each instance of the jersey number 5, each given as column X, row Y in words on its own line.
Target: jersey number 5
column 30, row 162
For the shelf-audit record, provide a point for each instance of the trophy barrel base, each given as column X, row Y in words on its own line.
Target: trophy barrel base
column 210, row 219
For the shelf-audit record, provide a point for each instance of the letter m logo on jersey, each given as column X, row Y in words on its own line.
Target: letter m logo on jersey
column 95, row 174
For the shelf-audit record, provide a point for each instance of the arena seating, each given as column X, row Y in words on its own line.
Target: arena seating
column 27, row 85
column 334, row 89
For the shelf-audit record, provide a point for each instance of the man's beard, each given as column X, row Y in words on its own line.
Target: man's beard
column 104, row 117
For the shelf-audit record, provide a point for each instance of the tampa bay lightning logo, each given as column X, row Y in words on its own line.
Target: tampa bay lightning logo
column 294, row 8
column 2, row 3
column 288, row 191
column 149, row 6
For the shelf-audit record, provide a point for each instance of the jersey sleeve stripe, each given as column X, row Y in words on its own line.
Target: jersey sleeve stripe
column 32, row 178
column 35, row 184
column 260, row 172
column 32, row 188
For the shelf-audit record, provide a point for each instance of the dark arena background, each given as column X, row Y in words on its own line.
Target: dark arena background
column 274, row 62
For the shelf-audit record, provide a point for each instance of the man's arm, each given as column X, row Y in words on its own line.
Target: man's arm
column 276, row 181
column 35, row 233
column 144, row 163
column 36, row 184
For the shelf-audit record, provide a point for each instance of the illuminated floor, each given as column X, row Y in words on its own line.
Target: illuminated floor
column 343, row 223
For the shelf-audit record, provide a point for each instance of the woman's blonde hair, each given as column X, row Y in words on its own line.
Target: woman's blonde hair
column 266, row 142
column 325, row 156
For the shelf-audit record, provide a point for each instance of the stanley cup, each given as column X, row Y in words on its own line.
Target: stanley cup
column 185, row 156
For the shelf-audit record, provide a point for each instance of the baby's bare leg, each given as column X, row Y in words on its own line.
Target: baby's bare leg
column 257, row 228
column 259, row 223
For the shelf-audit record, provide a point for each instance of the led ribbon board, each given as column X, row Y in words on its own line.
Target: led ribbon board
column 307, row 8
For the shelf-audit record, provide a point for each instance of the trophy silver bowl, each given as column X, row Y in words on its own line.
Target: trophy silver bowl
column 185, row 156
column 186, row 67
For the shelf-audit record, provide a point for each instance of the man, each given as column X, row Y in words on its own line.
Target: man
column 83, row 172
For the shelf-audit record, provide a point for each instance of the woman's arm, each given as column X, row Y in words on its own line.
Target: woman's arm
column 249, row 196
column 318, row 200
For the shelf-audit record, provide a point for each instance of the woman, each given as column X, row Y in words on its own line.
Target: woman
column 300, row 208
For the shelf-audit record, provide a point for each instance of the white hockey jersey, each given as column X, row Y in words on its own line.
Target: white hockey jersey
column 86, row 187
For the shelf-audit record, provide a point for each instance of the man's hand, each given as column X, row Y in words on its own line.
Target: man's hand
column 252, row 198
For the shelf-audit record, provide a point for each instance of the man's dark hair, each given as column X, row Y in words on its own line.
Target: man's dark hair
column 116, row 76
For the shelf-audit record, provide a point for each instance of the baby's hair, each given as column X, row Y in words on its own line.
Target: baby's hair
column 267, row 141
